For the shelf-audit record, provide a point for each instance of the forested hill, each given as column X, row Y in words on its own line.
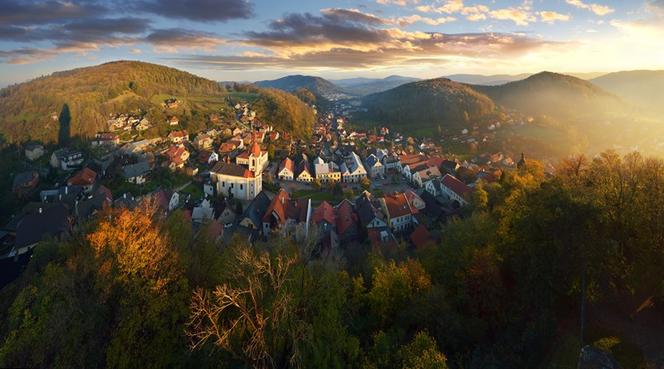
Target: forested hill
column 30, row 110
column 430, row 103
column 554, row 94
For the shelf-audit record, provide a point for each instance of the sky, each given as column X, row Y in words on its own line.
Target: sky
column 248, row 40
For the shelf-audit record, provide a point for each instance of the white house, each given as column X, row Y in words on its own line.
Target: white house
column 286, row 171
column 66, row 159
column 454, row 189
column 244, row 179
column 352, row 169
column 374, row 166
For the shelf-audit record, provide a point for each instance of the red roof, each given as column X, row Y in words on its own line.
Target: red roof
column 227, row 147
column 288, row 164
column 397, row 205
column 255, row 149
column 83, row 177
column 176, row 134
column 285, row 209
column 421, row 237
column 455, row 185
column 324, row 212
column 346, row 217
column 411, row 158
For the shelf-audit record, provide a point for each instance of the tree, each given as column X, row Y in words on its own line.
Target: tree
column 422, row 353
column 365, row 183
column 249, row 314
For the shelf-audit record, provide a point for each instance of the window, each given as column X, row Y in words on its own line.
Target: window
column 223, row 184
column 241, row 186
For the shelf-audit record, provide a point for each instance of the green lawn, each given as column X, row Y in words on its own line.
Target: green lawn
column 317, row 195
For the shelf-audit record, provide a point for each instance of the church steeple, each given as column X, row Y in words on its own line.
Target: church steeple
column 522, row 162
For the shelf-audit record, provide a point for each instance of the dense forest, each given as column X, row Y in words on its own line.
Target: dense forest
column 504, row 288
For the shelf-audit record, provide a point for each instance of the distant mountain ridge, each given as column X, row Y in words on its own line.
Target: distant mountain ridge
column 642, row 88
column 492, row 80
column 366, row 86
column 317, row 85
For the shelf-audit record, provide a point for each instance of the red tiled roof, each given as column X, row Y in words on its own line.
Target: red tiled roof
column 455, row 185
column 83, row 177
column 324, row 212
column 411, row 158
column 256, row 149
column 227, row 147
column 346, row 217
column 397, row 205
column 421, row 237
column 176, row 134
column 288, row 164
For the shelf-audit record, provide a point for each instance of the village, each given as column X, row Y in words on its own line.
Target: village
column 341, row 186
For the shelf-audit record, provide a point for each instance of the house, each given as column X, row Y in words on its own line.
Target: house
column 346, row 222
column 327, row 172
column 455, row 190
column 106, row 138
column 67, row 159
column 303, row 172
column 173, row 121
column 324, row 218
column 400, row 214
column 207, row 157
column 374, row 167
column 287, row 216
column 171, row 103
column 142, row 125
column 408, row 159
column 166, row 201
column 352, row 169
column 434, row 187
column 422, row 176
column 286, row 171
column 449, row 166
column 136, row 173
column 178, row 136
column 369, row 212
column 203, row 141
column 85, row 178
column 101, row 199
column 34, row 151
column 52, row 221
column 202, row 212
column 415, row 200
column 274, row 136
column 177, row 156
column 25, row 182
column 252, row 217
column 227, row 148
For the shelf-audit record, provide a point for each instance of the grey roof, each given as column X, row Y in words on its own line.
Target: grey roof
column 257, row 208
column 52, row 221
column 135, row 170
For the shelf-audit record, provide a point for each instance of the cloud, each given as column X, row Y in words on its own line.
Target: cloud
column 519, row 16
column 21, row 12
column 174, row 39
column 552, row 17
column 598, row 9
column 198, row 10
column 398, row 2
column 415, row 18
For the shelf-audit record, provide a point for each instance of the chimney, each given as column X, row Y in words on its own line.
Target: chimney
column 66, row 190
column 40, row 210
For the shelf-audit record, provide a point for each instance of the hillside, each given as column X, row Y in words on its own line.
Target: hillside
column 367, row 86
column 556, row 95
column 31, row 110
column 318, row 86
column 285, row 111
column 428, row 104
column 642, row 88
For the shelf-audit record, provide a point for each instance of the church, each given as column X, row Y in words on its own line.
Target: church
column 242, row 180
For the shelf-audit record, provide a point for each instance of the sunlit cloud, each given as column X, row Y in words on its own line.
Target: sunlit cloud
column 552, row 17
column 598, row 9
